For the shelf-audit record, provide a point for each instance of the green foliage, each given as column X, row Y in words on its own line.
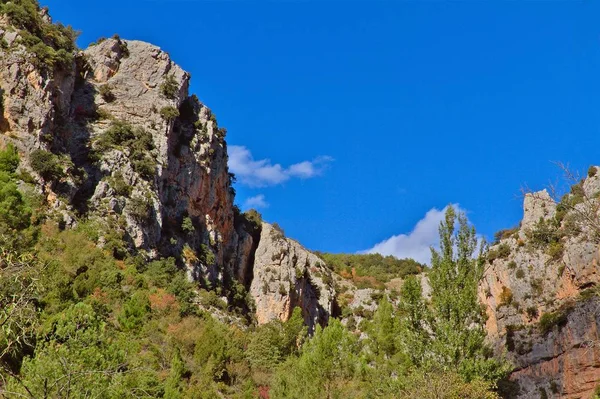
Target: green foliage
column 134, row 311
column 553, row 319
column 501, row 252
column 169, row 88
column 46, row 164
column 169, row 113
column 458, row 327
column 121, row 135
column 106, row 93
column 15, row 214
column 325, row 368
column 9, row 159
column 505, row 234
column 118, row 183
column 52, row 45
column 187, row 225
column 371, row 270
column 273, row 342
column 520, row 273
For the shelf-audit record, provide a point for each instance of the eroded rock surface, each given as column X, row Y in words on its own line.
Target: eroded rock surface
column 286, row 275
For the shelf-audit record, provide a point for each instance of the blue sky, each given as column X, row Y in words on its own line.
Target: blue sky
column 351, row 121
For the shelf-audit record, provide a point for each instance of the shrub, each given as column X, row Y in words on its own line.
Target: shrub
column 592, row 171
column 544, row 233
column 512, row 264
column 537, row 286
column 9, row 159
column 282, row 290
column 501, row 252
column 134, row 312
column 139, row 208
column 520, row 273
column 169, row 113
column 187, row 225
column 118, row 183
column 532, row 312
column 119, row 135
column 555, row 250
column 106, row 93
column 46, row 164
column 505, row 234
column 506, row 297
column 169, row 88
column 550, row 320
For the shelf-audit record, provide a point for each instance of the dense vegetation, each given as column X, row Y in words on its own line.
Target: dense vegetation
column 78, row 322
column 371, row 270
column 52, row 45
column 83, row 316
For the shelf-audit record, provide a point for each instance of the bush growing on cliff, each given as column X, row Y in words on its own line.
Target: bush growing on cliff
column 46, row 164
column 121, row 135
column 52, row 45
column 9, row 159
column 169, row 113
column 169, row 87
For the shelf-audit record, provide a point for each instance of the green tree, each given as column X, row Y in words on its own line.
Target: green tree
column 173, row 383
column 326, row 367
column 458, row 318
column 414, row 317
column 73, row 359
column 384, row 329
column 9, row 159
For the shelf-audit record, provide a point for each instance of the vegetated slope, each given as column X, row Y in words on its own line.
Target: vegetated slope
column 126, row 270
column 540, row 292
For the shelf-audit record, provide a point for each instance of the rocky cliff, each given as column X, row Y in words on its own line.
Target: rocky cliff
column 540, row 295
column 111, row 136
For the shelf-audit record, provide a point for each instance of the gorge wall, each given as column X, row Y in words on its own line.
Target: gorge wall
column 113, row 137
column 540, row 296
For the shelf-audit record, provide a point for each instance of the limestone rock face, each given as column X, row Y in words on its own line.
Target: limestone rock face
column 535, row 206
column 542, row 269
column 167, row 191
column 287, row 275
column 563, row 361
column 68, row 111
column 32, row 99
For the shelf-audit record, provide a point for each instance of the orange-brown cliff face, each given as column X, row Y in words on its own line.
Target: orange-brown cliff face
column 532, row 289
column 142, row 158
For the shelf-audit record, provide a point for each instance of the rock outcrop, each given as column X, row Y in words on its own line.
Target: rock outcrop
column 536, row 275
column 286, row 275
column 564, row 360
column 147, row 162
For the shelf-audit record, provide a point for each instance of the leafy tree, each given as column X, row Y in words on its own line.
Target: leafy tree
column 15, row 214
column 414, row 318
column 75, row 358
column 135, row 311
column 9, row 158
column 325, row 368
column 173, row 384
column 46, row 164
column 458, row 318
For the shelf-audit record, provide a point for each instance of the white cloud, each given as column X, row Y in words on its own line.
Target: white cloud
column 418, row 242
column 263, row 173
column 256, row 202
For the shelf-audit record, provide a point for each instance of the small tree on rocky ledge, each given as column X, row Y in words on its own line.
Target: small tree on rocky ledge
column 577, row 209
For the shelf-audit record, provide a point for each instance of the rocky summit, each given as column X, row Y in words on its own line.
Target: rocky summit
column 126, row 270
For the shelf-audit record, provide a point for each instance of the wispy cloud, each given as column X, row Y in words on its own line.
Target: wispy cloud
column 263, row 173
column 417, row 243
column 256, row 202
